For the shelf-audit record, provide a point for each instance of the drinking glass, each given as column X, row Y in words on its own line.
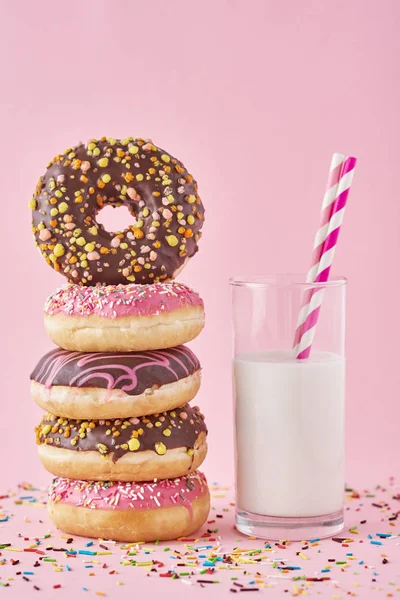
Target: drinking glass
column 289, row 412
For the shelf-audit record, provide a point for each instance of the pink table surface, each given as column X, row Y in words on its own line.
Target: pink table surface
column 364, row 566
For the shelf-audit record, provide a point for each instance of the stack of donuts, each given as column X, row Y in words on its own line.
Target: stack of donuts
column 119, row 434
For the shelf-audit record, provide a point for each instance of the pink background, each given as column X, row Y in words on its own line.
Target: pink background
column 254, row 96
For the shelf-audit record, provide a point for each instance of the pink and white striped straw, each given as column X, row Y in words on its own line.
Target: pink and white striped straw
column 325, row 215
column 310, row 311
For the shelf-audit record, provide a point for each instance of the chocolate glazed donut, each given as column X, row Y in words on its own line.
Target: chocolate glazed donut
column 161, row 446
column 159, row 433
column 160, row 194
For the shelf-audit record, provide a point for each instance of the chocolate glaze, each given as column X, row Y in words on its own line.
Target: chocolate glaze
column 167, row 213
column 131, row 372
column 178, row 428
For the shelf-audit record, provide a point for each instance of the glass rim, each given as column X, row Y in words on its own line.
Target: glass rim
column 284, row 280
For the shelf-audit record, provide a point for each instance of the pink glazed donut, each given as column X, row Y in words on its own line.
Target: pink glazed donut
column 123, row 318
column 130, row 512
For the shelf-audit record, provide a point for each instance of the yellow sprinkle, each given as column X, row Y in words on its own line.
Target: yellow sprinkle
column 165, row 158
column 54, row 212
column 303, row 556
column 123, row 245
column 190, row 219
column 172, row 240
column 90, row 247
column 133, row 444
column 58, row 250
column 62, row 207
column 133, row 149
column 32, row 204
column 167, row 432
column 139, row 177
column 96, row 151
column 160, row 448
column 81, row 241
column 45, row 430
column 148, row 563
column 103, row 162
column 93, row 230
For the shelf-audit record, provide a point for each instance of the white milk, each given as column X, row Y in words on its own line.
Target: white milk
column 289, row 433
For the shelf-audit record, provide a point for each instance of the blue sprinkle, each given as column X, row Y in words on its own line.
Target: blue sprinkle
column 147, row 552
column 68, row 567
column 84, row 589
column 361, row 562
column 292, row 568
column 202, row 556
column 267, row 546
column 28, row 573
column 376, row 543
column 26, row 497
column 208, row 563
column 315, row 540
column 89, row 544
column 251, row 582
column 349, row 554
column 87, row 552
column 203, row 547
column 370, row 536
column 384, row 535
column 88, row 566
column 325, row 570
column 4, row 520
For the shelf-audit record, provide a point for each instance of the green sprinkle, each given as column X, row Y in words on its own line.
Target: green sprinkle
column 203, row 571
column 167, row 549
column 47, row 559
column 184, row 574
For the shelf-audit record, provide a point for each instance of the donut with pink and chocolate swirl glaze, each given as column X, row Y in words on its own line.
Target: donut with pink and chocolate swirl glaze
column 123, row 318
column 103, row 385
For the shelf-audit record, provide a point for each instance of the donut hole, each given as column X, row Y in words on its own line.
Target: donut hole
column 114, row 219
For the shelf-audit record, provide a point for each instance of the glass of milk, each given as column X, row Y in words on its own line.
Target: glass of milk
column 289, row 413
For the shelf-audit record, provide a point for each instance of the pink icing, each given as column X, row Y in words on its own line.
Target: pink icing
column 114, row 301
column 129, row 496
